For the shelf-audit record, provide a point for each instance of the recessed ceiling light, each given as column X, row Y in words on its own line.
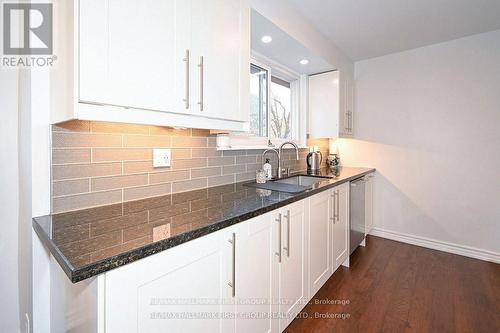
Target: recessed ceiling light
column 304, row 62
column 266, row 39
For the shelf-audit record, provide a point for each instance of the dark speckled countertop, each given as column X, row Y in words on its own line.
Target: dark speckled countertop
column 92, row 241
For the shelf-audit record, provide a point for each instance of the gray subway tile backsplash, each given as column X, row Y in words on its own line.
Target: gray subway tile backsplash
column 98, row 163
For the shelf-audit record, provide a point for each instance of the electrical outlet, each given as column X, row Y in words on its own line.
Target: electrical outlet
column 161, row 232
column 162, row 158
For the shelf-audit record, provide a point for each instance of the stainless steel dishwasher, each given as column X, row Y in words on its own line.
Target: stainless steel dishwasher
column 357, row 212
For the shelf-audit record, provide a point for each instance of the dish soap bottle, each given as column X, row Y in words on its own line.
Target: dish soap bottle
column 268, row 168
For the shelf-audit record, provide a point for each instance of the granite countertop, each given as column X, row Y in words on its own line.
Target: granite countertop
column 92, row 241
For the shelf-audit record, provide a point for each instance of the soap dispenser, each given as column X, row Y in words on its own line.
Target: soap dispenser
column 268, row 169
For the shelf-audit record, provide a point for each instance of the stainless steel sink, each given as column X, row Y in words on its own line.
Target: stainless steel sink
column 300, row 180
column 295, row 184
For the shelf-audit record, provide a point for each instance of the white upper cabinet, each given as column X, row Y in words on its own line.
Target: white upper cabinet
column 347, row 116
column 331, row 105
column 93, row 47
column 130, row 55
column 220, row 48
column 160, row 62
column 324, row 105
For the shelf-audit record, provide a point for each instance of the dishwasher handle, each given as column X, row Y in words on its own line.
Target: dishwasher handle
column 358, row 181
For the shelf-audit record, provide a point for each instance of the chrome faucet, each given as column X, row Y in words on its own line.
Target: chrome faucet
column 280, row 170
column 278, row 153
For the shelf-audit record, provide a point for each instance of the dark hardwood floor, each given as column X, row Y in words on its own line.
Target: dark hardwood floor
column 396, row 287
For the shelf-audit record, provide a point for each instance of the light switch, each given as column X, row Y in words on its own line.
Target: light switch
column 162, row 158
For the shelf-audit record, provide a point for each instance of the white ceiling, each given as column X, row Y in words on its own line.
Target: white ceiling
column 284, row 49
column 369, row 28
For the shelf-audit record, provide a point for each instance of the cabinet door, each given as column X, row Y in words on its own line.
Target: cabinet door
column 324, row 105
column 131, row 53
column 348, row 114
column 161, row 292
column 320, row 240
column 292, row 269
column 220, row 40
column 341, row 225
column 253, row 285
column 93, row 51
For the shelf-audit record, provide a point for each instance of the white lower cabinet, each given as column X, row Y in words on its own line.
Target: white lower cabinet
column 328, row 235
column 290, row 292
column 255, row 276
column 221, row 282
column 254, row 263
column 340, row 225
column 174, row 291
column 320, row 240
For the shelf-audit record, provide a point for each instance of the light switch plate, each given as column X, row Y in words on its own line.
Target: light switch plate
column 162, row 158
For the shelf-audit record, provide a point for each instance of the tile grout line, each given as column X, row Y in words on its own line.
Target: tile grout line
column 211, row 159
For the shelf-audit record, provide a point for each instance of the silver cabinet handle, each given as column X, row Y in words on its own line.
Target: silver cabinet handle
column 186, row 60
column 279, row 237
column 201, row 66
column 338, row 206
column 335, row 206
column 332, row 217
column 232, row 284
column 287, row 248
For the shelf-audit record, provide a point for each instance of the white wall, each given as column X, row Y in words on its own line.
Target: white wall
column 25, row 201
column 16, row 306
column 15, row 199
column 40, row 181
column 9, row 207
column 429, row 120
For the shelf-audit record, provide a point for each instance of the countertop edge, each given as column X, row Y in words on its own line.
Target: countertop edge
column 105, row 265
column 66, row 266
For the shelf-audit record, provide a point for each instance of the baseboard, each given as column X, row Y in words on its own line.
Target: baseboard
column 466, row 251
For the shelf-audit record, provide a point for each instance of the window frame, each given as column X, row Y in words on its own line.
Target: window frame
column 281, row 72
column 268, row 91
column 250, row 141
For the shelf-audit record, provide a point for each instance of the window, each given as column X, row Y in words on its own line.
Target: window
column 280, row 116
column 258, row 100
column 271, row 109
column 277, row 107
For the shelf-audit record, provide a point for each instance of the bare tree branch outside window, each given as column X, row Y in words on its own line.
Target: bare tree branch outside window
column 280, row 115
column 269, row 118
